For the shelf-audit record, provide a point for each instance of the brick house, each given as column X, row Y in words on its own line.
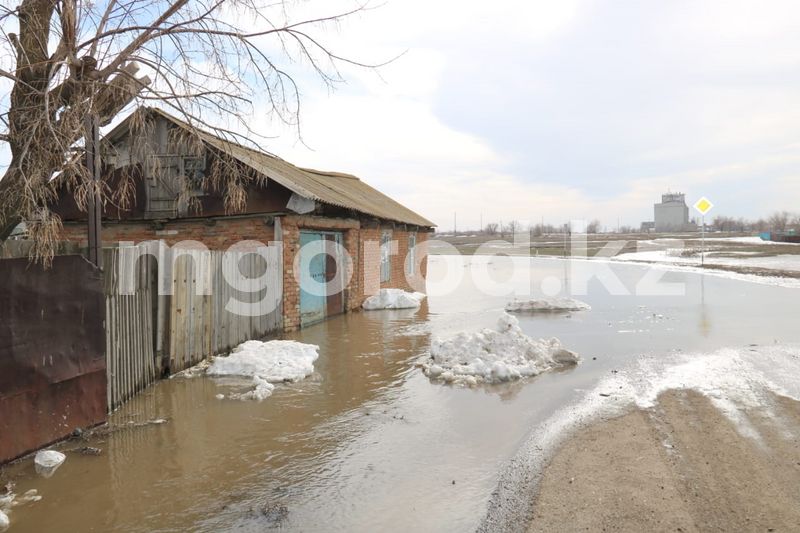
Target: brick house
column 170, row 200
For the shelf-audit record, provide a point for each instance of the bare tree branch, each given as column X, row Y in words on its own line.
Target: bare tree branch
column 74, row 57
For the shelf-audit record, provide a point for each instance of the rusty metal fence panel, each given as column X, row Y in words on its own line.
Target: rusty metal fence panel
column 74, row 345
column 52, row 344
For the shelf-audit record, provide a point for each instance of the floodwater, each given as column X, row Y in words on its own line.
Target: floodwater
column 369, row 443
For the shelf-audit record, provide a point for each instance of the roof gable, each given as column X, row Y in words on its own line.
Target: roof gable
column 333, row 188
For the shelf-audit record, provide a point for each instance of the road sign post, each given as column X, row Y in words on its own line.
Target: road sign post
column 703, row 206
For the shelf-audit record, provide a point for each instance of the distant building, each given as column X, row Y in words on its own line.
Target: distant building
column 672, row 214
column 648, row 227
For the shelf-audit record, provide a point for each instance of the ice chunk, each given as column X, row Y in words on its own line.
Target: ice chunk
column 31, row 495
column 393, row 299
column 547, row 304
column 267, row 363
column 494, row 355
column 7, row 500
column 262, row 391
column 272, row 361
column 48, row 461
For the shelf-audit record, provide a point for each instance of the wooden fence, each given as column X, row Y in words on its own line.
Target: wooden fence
column 208, row 316
column 203, row 308
column 130, row 355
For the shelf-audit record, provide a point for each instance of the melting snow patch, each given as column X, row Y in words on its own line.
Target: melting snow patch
column 493, row 356
column 393, row 299
column 736, row 381
column 4, row 521
column 48, row 461
column 262, row 391
column 267, row 363
column 547, row 304
column 273, row 361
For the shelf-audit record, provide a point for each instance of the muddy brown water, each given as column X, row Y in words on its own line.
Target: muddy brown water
column 368, row 443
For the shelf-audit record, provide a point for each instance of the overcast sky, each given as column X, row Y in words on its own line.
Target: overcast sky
column 565, row 109
column 560, row 109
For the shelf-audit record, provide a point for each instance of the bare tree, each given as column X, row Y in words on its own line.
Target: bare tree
column 779, row 220
column 491, row 228
column 74, row 58
column 593, row 226
column 513, row 227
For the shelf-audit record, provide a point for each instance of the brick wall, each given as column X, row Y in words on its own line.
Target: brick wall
column 369, row 266
column 291, row 226
column 363, row 246
column 400, row 276
column 216, row 234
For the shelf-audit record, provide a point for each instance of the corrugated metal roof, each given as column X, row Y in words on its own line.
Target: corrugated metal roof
column 334, row 188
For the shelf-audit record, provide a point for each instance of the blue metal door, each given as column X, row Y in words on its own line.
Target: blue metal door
column 312, row 277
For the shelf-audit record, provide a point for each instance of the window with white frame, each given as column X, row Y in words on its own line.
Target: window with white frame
column 386, row 256
column 411, row 258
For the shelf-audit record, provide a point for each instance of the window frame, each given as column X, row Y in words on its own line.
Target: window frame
column 411, row 257
column 386, row 256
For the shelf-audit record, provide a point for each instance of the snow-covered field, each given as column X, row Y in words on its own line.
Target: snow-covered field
column 746, row 240
column 784, row 262
column 494, row 355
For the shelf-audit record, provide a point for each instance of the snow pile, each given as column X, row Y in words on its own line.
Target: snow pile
column 272, row 361
column 4, row 521
column 48, row 461
column 547, row 304
column 393, row 299
column 493, row 356
column 267, row 363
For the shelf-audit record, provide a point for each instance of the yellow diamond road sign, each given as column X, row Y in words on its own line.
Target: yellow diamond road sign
column 703, row 205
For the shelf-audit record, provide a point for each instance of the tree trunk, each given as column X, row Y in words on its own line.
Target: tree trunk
column 10, row 212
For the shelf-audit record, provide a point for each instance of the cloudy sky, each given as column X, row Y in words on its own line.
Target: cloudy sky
column 568, row 109
column 558, row 109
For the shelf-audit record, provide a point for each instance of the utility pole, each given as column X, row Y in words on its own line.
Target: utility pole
column 94, row 203
column 454, row 223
